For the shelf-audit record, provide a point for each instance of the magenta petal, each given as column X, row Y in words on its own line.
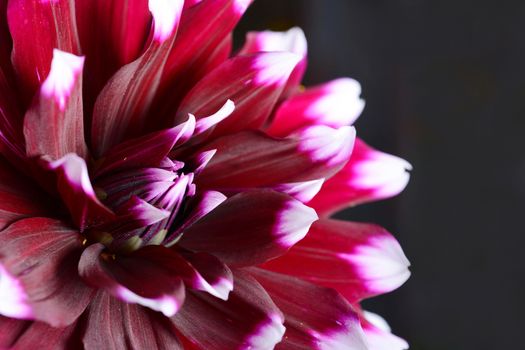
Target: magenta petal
column 247, row 320
column 38, row 335
column 250, row 228
column 378, row 334
column 52, row 25
column 134, row 279
column 316, row 317
column 148, row 150
column 369, row 175
column 11, row 330
column 292, row 41
column 122, row 107
column 335, row 104
column 75, row 188
column 252, row 159
column 112, row 324
column 359, row 260
column 38, row 272
column 254, row 83
column 18, row 197
column 54, row 125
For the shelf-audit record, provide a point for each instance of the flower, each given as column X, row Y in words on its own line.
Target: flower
column 157, row 192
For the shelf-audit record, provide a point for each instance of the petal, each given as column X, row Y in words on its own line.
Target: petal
column 251, row 159
column 38, row 272
column 75, row 188
column 134, row 279
column 51, row 24
column 359, row 260
column 247, row 320
column 250, row 228
column 316, row 317
column 54, row 125
column 378, row 334
column 369, row 175
column 38, row 335
column 11, row 331
column 202, row 44
column 253, row 83
column 122, row 107
column 292, row 41
column 112, row 34
column 148, row 150
column 335, row 104
column 113, row 325
column 19, row 198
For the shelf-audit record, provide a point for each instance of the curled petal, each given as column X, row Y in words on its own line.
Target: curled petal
column 112, row 324
column 247, row 320
column 75, row 188
column 253, row 83
column 54, row 125
column 250, row 228
column 133, row 279
column 369, row 175
column 334, row 104
column 316, row 317
column 359, row 260
column 38, row 278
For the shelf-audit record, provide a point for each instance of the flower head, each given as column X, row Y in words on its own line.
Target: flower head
column 158, row 192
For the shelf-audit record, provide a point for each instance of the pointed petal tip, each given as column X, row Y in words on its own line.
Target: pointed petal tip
column 65, row 69
column 267, row 334
column 165, row 304
column 292, row 41
column 240, row 6
column 274, row 68
column 378, row 334
column 381, row 262
column 13, row 298
column 323, row 143
column 166, row 16
column 295, row 219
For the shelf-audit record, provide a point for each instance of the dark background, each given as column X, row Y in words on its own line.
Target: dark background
column 444, row 83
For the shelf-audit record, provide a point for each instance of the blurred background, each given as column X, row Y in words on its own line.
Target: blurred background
column 444, row 83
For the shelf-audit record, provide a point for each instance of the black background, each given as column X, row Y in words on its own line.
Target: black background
column 444, row 83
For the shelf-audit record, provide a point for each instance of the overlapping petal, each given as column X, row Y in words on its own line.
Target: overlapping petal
column 38, row 275
column 250, row 228
column 247, row 320
column 359, row 260
column 316, row 317
column 378, row 334
column 369, row 175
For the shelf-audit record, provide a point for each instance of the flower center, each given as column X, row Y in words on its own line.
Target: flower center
column 148, row 203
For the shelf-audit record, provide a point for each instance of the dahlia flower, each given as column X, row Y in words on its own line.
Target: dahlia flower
column 159, row 192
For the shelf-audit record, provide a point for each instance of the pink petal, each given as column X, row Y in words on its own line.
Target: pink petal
column 54, row 125
column 369, row 175
column 18, row 197
column 251, row 159
column 316, row 317
column 37, row 335
column 11, row 330
column 359, row 260
column 122, row 107
column 250, row 228
column 253, row 83
column 378, row 334
column 202, row 44
column 247, row 320
column 334, row 104
column 133, row 279
column 38, row 272
column 292, row 41
column 75, row 188
column 148, row 150
column 112, row 324
column 52, row 25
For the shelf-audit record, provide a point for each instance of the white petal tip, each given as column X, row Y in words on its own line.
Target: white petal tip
column 13, row 299
column 166, row 16
column 274, row 68
column 295, row 219
column 267, row 334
